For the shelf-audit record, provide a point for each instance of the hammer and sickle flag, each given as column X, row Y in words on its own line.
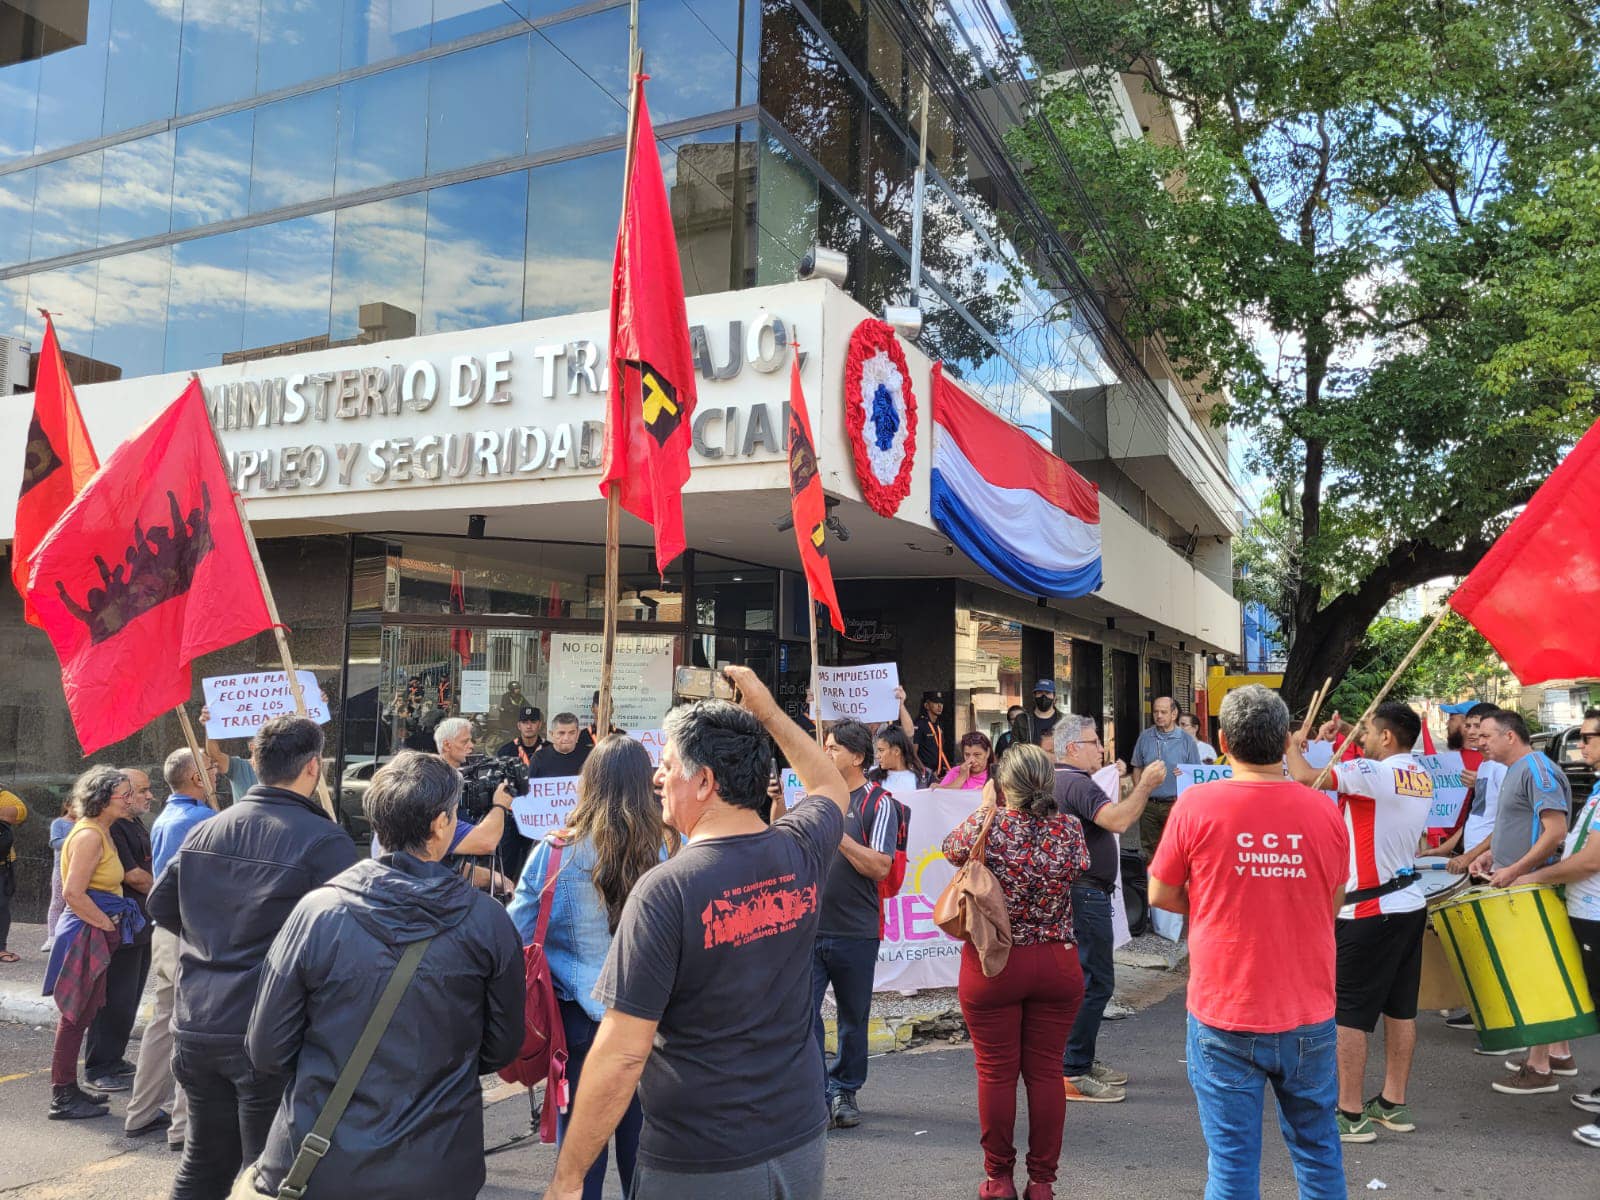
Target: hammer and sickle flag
column 57, row 461
column 652, row 392
column 809, row 505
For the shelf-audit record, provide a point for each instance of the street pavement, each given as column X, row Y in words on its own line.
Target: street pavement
column 919, row 1139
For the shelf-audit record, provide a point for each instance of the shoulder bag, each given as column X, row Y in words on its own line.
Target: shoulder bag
column 972, row 907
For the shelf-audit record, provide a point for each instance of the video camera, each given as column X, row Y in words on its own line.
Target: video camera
column 482, row 777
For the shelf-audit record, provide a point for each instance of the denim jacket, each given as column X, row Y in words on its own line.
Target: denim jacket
column 579, row 938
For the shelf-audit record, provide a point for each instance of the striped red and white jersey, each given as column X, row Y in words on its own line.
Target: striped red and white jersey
column 1385, row 806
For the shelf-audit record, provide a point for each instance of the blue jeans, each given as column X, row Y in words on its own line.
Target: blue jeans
column 1227, row 1071
column 848, row 963
column 580, row 1030
column 1091, row 922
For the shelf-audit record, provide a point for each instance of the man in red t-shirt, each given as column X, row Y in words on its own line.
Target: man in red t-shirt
column 1258, row 863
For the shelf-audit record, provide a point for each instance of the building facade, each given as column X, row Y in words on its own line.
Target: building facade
column 381, row 231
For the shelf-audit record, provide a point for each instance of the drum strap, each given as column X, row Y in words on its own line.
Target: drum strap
column 1403, row 880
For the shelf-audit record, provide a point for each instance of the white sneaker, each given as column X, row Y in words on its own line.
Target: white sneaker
column 1589, row 1135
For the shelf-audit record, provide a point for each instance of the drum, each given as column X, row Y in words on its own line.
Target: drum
column 1516, row 958
column 1438, row 885
column 1439, row 989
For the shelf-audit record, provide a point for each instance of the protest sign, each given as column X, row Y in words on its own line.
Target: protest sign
column 241, row 704
column 864, row 693
column 641, row 680
column 1190, row 774
column 1449, row 791
column 546, row 805
column 793, row 790
column 474, row 691
column 1110, row 782
column 914, row 953
column 653, row 740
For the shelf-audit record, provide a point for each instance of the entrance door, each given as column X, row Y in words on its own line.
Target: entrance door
column 1161, row 681
column 1088, row 682
column 1127, row 708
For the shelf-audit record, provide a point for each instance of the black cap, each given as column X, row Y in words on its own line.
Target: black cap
column 529, row 713
column 933, row 698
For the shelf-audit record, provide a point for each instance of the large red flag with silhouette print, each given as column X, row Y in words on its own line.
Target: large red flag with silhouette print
column 652, row 392
column 57, row 461
column 807, row 502
column 1536, row 592
column 146, row 570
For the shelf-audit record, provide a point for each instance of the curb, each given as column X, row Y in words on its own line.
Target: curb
column 883, row 1037
column 1160, row 959
column 20, row 1007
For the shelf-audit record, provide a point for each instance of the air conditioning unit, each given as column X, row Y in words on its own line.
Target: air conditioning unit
column 15, row 354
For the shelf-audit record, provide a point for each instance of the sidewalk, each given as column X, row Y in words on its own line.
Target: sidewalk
column 21, row 999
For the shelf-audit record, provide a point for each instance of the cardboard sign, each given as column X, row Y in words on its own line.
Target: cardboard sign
column 864, row 693
column 793, row 790
column 1449, row 792
column 653, row 740
column 241, row 704
column 546, row 806
column 1190, row 774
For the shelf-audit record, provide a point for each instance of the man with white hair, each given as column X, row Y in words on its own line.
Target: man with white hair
column 453, row 737
column 1080, row 754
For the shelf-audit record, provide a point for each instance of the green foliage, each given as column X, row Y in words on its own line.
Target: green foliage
column 1455, row 664
column 1380, row 233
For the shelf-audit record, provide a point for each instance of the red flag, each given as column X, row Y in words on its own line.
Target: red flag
column 1535, row 594
column 807, row 502
column 57, row 462
column 652, row 393
column 146, row 571
column 460, row 639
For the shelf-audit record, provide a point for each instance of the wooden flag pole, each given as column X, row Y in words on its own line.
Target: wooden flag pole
column 201, row 763
column 613, row 593
column 1317, row 702
column 272, row 615
column 1383, row 692
column 816, row 722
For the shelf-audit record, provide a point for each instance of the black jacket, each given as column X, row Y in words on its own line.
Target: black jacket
column 226, row 894
column 415, row 1124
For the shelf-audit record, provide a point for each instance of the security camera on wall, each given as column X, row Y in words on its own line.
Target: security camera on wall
column 822, row 263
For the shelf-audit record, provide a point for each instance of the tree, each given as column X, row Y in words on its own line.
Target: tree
column 1456, row 663
column 1356, row 238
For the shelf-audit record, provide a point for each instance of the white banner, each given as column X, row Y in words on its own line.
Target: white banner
column 1110, row 782
column 915, row 953
column 241, row 704
column 546, row 805
column 864, row 693
column 641, row 678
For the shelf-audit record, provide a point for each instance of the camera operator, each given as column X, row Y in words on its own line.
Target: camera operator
column 453, row 737
column 561, row 756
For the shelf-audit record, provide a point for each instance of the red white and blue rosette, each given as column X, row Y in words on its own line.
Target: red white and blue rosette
column 880, row 415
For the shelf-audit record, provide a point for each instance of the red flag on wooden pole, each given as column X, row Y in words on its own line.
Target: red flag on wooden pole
column 148, row 569
column 57, row 461
column 809, row 505
column 1536, row 592
column 652, row 391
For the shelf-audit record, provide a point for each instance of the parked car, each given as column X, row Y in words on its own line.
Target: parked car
column 352, row 791
column 1564, row 749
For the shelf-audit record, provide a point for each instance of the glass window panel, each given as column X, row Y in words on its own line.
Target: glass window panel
column 478, row 106
column 205, row 309
column 567, row 105
column 72, row 87
column 461, row 18
column 786, row 209
column 692, row 63
column 14, row 306
column 289, row 282
column 19, row 108
column 130, row 320
column 476, row 235
column 734, row 595
column 16, row 216
column 211, row 171
column 67, row 211
column 217, row 63
column 806, row 89
column 69, row 295
column 142, row 65
column 572, row 235
column 378, row 30
column 377, row 258
column 711, row 186
column 383, row 129
column 138, row 178
column 299, row 41
column 292, row 160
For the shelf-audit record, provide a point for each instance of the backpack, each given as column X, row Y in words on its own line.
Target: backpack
column 889, row 886
column 544, row 1040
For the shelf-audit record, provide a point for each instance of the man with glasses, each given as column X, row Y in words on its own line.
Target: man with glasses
column 1080, row 754
column 226, row 894
column 1166, row 743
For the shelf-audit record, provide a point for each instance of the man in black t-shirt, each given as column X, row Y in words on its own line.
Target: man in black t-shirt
column 847, row 935
column 562, row 756
column 714, row 952
column 927, row 735
column 1036, row 727
column 1080, row 753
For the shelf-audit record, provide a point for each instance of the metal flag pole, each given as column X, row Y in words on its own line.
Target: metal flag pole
column 201, row 763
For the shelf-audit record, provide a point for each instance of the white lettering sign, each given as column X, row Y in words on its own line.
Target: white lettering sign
column 1449, row 791
column 241, row 704
column 653, row 740
column 546, row 806
column 858, row 693
column 641, row 678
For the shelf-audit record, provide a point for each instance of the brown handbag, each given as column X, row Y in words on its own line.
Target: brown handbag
column 973, row 908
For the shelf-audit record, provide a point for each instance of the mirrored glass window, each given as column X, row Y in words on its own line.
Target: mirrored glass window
column 217, row 62
column 377, row 261
column 68, row 294
column 786, row 208
column 290, row 276
column 476, row 234
column 72, row 87
column 383, row 124
column 205, row 308
column 211, row 171
column 138, row 179
column 693, row 56
column 142, row 64
column 711, row 185
column 461, row 18
column 19, row 99
column 130, row 320
column 68, row 217
column 13, row 306
column 16, row 216
column 299, row 41
column 378, row 30
column 478, row 106
column 573, row 209
column 293, row 152
column 580, row 81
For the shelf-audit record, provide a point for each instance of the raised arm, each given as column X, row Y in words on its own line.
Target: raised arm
column 807, row 759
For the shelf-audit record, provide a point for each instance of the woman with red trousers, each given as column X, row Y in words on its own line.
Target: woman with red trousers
column 1020, row 1019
